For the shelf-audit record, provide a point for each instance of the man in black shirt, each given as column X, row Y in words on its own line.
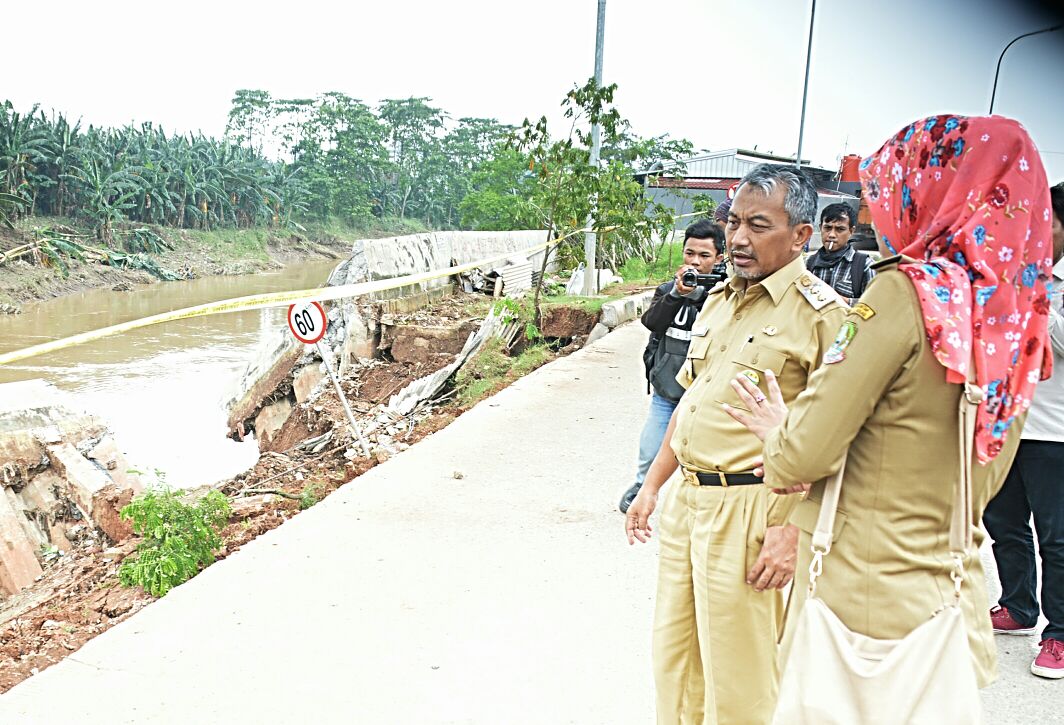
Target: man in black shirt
column 669, row 319
column 837, row 262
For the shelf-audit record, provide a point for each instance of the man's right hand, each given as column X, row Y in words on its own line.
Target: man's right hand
column 681, row 288
column 637, row 520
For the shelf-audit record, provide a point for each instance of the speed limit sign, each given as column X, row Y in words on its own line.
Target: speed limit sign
column 307, row 321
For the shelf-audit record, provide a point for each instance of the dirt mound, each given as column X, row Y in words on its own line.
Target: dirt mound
column 567, row 322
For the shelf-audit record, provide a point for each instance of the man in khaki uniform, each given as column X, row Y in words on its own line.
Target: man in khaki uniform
column 725, row 552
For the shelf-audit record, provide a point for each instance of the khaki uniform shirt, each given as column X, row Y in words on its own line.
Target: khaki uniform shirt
column 785, row 323
column 885, row 399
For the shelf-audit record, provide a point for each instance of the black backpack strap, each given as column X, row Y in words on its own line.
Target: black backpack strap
column 857, row 270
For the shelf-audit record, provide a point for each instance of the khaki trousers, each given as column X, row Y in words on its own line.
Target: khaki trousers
column 714, row 649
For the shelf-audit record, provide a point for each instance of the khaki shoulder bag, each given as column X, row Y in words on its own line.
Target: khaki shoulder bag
column 834, row 675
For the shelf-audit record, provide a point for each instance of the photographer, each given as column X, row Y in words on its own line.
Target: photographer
column 669, row 318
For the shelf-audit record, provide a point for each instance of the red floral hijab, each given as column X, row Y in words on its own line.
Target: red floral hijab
column 969, row 197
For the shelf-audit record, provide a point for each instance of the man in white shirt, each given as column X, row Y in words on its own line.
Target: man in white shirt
column 1035, row 486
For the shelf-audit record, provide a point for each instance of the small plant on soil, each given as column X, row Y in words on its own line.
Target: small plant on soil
column 311, row 494
column 179, row 538
column 520, row 311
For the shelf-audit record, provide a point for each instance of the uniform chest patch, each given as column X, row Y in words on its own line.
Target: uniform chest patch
column 837, row 352
column 752, row 376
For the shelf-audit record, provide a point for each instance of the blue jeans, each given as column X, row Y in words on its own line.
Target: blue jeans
column 653, row 433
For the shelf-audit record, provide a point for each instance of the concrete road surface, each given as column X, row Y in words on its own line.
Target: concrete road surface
column 480, row 577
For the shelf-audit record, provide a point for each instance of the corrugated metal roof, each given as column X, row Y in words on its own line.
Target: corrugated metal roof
column 727, row 163
column 516, row 277
column 670, row 182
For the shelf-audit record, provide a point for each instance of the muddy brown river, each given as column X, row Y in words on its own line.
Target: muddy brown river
column 161, row 389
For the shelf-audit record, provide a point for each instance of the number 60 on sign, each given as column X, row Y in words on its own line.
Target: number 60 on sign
column 307, row 321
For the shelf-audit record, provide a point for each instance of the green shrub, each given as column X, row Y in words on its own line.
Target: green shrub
column 179, row 538
column 661, row 268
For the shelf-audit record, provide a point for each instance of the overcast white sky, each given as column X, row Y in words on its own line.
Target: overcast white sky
column 722, row 73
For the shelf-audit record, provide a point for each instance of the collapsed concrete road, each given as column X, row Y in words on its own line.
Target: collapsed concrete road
column 479, row 577
column 62, row 478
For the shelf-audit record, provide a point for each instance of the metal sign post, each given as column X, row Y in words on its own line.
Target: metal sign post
column 591, row 286
column 307, row 322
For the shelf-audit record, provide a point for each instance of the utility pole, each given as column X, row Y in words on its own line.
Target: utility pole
column 590, row 238
column 993, row 92
column 805, row 88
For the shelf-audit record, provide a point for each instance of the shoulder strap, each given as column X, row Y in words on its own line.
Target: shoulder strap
column 857, row 273
column 960, row 528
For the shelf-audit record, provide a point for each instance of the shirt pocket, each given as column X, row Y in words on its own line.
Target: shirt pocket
column 697, row 351
column 752, row 361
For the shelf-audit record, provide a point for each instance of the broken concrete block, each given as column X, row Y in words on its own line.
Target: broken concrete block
column 628, row 308
column 58, row 539
column 597, row 332
column 304, row 382
column 269, row 421
column 262, row 377
column 95, row 493
column 107, row 455
column 18, row 565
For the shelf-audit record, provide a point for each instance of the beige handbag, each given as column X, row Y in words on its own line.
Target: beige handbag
column 836, row 676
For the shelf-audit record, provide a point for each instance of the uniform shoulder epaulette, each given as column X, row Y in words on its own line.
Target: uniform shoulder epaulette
column 887, row 262
column 815, row 292
column 717, row 288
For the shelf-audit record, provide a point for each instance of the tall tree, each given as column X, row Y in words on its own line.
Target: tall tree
column 413, row 126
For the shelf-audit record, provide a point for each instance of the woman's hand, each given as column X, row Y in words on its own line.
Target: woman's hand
column 765, row 413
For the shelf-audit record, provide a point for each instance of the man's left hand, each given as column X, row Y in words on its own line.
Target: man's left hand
column 775, row 566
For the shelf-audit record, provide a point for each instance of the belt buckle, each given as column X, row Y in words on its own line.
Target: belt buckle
column 690, row 476
column 723, row 478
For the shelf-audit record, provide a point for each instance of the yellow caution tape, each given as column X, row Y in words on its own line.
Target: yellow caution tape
column 277, row 299
column 260, row 301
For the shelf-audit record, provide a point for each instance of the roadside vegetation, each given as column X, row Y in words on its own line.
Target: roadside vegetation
column 289, row 171
column 178, row 538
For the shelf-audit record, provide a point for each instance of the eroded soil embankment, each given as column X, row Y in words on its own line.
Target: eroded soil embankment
column 34, row 277
column 79, row 595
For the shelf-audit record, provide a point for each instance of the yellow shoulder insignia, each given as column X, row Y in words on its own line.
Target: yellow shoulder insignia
column 815, row 292
column 864, row 311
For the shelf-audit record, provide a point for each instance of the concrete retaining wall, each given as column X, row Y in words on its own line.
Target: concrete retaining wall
column 373, row 259
column 353, row 330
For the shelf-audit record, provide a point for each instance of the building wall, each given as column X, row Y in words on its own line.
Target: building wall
column 681, row 205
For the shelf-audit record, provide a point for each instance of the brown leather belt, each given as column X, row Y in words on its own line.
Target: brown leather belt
column 720, row 478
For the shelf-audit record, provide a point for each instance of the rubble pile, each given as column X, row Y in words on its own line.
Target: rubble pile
column 62, row 480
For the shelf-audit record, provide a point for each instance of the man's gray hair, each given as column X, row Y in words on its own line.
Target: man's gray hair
column 801, row 199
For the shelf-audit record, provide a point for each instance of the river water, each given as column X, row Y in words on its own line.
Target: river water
column 161, row 389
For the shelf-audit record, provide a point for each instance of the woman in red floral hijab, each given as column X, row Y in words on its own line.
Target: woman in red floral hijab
column 969, row 199
column 966, row 201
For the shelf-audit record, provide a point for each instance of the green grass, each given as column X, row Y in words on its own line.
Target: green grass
column 660, row 269
column 492, row 370
column 232, row 244
column 588, row 304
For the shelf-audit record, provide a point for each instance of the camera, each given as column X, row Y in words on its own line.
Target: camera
column 690, row 278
